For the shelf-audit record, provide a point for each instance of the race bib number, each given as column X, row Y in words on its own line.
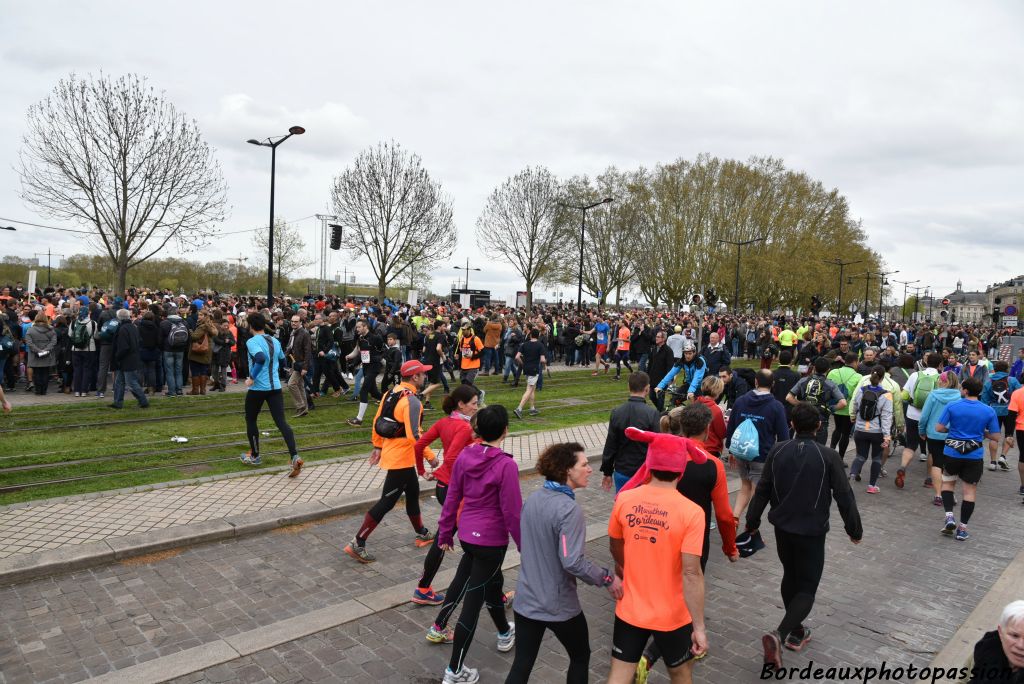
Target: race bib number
column 467, row 353
column 364, row 355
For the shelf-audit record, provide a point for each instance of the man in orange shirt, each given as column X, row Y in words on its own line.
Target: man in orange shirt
column 661, row 534
column 1015, row 413
column 470, row 350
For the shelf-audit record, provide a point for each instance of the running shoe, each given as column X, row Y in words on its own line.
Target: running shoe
column 772, row 645
column 440, row 636
column 355, row 422
column 296, row 466
column 1021, row 490
column 857, row 477
column 359, row 552
column 927, row 482
column 949, row 525
column 594, row 374
column 465, row 675
column 883, row 472
column 427, row 597
column 992, row 466
column 507, row 640
column 534, row 412
column 518, row 412
column 901, row 476
column 798, row 638
column 425, row 539
column 643, row 669
column 507, row 598
column 961, row 533
column 248, row 459
column 873, row 489
column 1003, row 465
column 937, row 501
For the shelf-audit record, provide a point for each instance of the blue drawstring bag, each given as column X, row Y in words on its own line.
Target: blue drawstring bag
column 745, row 443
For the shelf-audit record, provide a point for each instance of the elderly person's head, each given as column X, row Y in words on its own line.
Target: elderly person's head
column 124, row 315
column 1011, row 633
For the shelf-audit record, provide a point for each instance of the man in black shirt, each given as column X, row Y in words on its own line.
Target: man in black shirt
column 531, row 357
column 799, row 480
column 785, row 379
column 660, row 364
column 369, row 350
column 623, row 456
column 434, row 356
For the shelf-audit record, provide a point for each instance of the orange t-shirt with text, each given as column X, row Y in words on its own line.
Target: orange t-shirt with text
column 656, row 525
column 1017, row 404
column 624, row 336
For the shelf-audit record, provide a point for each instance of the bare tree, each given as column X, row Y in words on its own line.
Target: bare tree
column 393, row 213
column 518, row 225
column 118, row 157
column 289, row 250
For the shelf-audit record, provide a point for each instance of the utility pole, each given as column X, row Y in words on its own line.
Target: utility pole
column 324, row 239
column 842, row 265
column 905, row 284
column 467, row 269
column 739, row 246
column 48, row 255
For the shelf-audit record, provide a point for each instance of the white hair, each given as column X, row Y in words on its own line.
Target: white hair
column 1013, row 612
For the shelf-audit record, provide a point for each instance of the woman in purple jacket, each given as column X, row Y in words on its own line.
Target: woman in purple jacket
column 485, row 483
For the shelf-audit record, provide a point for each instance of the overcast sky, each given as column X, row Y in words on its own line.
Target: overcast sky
column 913, row 110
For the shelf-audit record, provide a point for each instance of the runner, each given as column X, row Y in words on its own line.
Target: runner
column 470, row 348
column 999, row 388
column 872, row 411
column 399, row 416
column 967, row 424
column 264, row 386
column 600, row 332
column 455, row 434
column 531, row 357
column 801, row 477
column 820, row 392
column 946, row 391
column 656, row 538
column 369, row 349
column 552, row 557
column 624, row 335
column 434, row 356
column 485, row 487
column 702, row 483
column 915, row 395
column 1015, row 412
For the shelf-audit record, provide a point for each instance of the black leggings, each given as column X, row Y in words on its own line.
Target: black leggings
column 275, row 402
column 369, row 386
column 574, row 636
column 398, row 482
column 803, row 560
column 841, row 435
column 868, row 442
column 432, row 563
column 477, row 583
column 622, row 358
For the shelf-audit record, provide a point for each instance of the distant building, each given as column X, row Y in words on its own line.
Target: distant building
column 968, row 307
column 1005, row 299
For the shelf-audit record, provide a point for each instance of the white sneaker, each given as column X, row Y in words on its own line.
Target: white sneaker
column 1003, row 464
column 507, row 640
column 465, row 675
column 992, row 466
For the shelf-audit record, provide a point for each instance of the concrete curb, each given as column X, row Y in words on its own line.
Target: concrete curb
column 23, row 567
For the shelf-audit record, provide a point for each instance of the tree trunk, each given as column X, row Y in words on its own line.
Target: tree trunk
column 122, row 278
column 381, row 286
column 529, row 295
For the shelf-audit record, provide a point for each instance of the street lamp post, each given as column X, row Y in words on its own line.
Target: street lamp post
column 583, row 234
column 272, row 143
column 467, row 269
column 842, row 265
column 906, row 284
column 48, row 255
column 739, row 247
column 882, row 282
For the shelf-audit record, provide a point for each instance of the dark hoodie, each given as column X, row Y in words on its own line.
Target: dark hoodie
column 990, row 663
column 768, row 415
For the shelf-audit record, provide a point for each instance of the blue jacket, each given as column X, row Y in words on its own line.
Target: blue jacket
column 987, row 397
column 768, row 415
column 694, row 373
column 263, row 368
column 1017, row 369
column 938, row 399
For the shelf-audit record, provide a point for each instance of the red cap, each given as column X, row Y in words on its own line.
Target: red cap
column 410, row 368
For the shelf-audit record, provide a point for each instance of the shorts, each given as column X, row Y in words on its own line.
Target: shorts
column 531, row 380
column 434, row 376
column 937, row 450
column 967, row 469
column 628, row 643
column 602, row 349
column 1008, row 425
column 750, row 470
column 914, row 441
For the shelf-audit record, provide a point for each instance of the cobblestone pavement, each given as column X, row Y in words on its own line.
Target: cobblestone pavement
column 52, row 525
column 899, row 596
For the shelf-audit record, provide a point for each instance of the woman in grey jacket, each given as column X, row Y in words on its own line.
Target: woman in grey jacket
column 553, row 541
column 872, row 407
column 41, row 341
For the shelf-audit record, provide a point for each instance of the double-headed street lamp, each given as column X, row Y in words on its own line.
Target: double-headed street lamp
column 272, row 143
column 842, row 265
column 905, row 284
column 467, row 269
column 583, row 234
column 739, row 246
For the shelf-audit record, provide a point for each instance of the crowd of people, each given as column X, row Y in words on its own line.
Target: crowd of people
column 936, row 392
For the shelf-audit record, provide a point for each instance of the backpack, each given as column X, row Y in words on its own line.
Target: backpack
column 178, row 336
column 1001, row 391
column 108, row 331
column 923, row 387
column 6, row 342
column 80, row 335
column 386, row 426
column 751, row 336
column 814, row 393
column 581, row 340
column 746, row 442
column 868, row 409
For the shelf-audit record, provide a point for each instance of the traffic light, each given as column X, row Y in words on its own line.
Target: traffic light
column 335, row 236
column 944, row 314
column 711, row 296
